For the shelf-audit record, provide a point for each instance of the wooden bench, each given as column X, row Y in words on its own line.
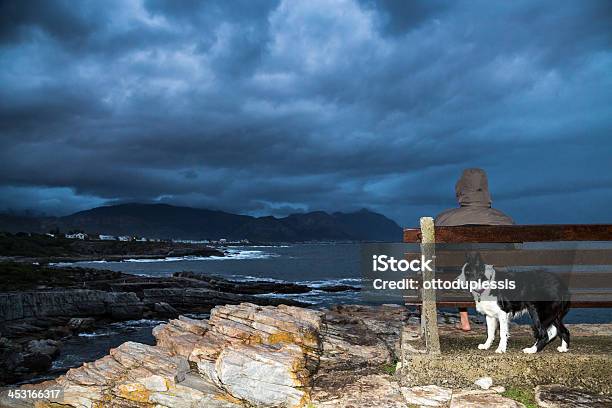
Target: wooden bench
column 595, row 297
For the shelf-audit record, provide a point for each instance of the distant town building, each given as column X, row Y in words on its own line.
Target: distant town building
column 107, row 237
column 124, row 238
column 78, row 235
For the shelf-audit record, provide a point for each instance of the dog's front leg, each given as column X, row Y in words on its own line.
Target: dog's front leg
column 503, row 332
column 491, row 326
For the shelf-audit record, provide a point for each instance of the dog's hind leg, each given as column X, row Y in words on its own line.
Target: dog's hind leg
column 532, row 349
column 551, row 333
column 565, row 337
column 491, row 327
column 538, row 345
column 539, row 331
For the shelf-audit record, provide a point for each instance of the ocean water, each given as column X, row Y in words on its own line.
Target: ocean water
column 316, row 265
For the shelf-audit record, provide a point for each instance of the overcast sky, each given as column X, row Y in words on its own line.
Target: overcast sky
column 280, row 107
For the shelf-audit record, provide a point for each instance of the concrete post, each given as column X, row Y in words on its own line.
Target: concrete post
column 429, row 316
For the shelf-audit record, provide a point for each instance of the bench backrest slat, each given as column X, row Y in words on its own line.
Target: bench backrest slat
column 515, row 233
column 525, row 257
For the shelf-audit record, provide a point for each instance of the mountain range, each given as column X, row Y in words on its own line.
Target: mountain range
column 168, row 221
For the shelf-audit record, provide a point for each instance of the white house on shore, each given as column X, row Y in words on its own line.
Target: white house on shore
column 107, row 238
column 78, row 235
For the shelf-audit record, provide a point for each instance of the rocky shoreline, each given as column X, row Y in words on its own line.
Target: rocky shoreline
column 44, row 249
column 66, row 301
column 283, row 356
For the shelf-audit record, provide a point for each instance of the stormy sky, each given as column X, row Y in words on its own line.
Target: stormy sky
column 276, row 107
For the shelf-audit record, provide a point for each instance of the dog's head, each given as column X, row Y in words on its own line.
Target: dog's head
column 474, row 267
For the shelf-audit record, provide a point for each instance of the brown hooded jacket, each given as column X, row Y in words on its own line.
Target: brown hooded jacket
column 472, row 191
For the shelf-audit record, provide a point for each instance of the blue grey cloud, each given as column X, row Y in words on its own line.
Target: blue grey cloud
column 285, row 106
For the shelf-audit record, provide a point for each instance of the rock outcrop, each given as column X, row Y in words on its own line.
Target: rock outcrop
column 243, row 355
column 254, row 287
column 558, row 396
column 263, row 355
column 76, row 303
column 69, row 303
column 33, row 357
column 203, row 299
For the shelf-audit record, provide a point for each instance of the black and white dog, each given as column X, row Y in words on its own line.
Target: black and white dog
column 501, row 305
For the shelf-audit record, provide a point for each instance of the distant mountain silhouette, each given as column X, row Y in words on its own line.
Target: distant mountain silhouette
column 167, row 221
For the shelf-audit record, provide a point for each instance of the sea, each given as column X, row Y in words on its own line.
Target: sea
column 316, row 265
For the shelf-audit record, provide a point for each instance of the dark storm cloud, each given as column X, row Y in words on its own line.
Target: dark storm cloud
column 284, row 106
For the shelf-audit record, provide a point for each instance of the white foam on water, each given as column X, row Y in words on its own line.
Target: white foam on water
column 100, row 333
column 138, row 323
column 68, row 264
column 248, row 254
column 232, row 254
column 172, row 259
column 249, row 278
column 270, row 246
column 332, row 282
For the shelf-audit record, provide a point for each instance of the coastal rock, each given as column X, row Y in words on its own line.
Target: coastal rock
column 73, row 302
column 36, row 362
column 376, row 390
column 202, row 299
column 81, row 324
column 357, row 337
column 123, row 305
column 181, row 335
column 17, row 360
column 135, row 375
column 557, row 396
column 259, row 287
column 427, row 396
column 47, row 347
column 249, row 355
column 10, row 359
column 252, row 287
column 480, row 398
column 163, row 309
column 264, row 375
column 339, row 288
column 264, row 355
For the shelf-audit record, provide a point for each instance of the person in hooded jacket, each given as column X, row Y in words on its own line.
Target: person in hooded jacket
column 472, row 192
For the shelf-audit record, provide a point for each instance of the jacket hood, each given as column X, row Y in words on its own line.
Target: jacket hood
column 472, row 189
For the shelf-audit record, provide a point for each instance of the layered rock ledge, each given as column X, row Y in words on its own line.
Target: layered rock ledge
column 244, row 354
column 52, row 304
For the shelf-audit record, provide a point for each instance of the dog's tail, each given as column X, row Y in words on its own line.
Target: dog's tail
column 566, row 304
